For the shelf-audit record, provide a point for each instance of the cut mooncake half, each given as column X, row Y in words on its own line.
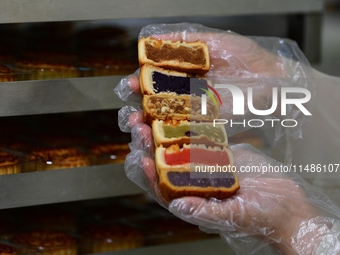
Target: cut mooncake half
column 177, row 184
column 182, row 158
column 182, row 132
column 187, row 171
column 189, row 57
column 184, row 107
column 155, row 80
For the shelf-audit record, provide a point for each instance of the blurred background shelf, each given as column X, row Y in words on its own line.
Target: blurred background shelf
column 212, row 246
column 15, row 11
column 55, row 96
column 56, row 186
column 300, row 20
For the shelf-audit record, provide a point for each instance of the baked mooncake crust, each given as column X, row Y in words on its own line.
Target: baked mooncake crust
column 189, row 57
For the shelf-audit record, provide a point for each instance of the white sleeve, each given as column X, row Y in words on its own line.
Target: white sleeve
column 321, row 142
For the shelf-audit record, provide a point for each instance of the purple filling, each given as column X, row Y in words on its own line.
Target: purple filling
column 177, row 84
column 183, row 179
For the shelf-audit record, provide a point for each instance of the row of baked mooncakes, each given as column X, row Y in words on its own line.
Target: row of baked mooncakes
column 54, row 158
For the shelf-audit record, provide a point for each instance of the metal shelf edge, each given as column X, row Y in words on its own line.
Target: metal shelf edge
column 65, row 185
column 16, row 11
column 59, row 95
column 212, row 246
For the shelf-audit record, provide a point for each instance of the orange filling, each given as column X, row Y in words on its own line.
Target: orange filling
column 177, row 158
column 197, row 156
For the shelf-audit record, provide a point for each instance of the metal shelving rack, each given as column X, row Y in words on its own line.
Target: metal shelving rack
column 57, row 96
column 38, row 188
column 84, row 94
column 14, row 11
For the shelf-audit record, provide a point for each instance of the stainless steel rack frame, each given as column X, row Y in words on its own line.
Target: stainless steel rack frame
column 16, row 11
column 65, row 185
column 56, row 96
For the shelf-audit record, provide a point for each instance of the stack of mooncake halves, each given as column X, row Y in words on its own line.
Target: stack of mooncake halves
column 187, row 142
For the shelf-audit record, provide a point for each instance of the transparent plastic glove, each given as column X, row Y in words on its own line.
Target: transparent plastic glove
column 257, row 62
column 240, row 220
column 276, row 208
column 237, row 56
column 272, row 212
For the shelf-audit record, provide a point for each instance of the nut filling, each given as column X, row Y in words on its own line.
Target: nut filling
column 194, row 55
column 183, row 179
column 159, row 105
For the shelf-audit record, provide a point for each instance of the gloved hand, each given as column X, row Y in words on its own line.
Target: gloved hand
column 258, row 63
column 271, row 207
column 276, row 208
